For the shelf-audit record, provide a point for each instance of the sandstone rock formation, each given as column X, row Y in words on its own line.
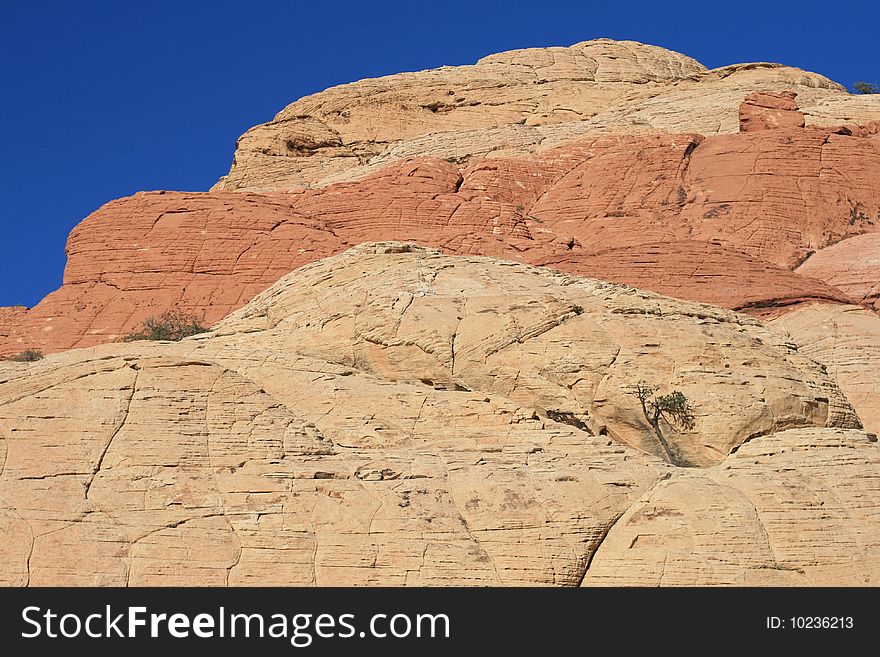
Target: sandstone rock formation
column 515, row 103
column 370, row 411
column 768, row 110
column 731, row 525
column 846, row 340
column 721, row 219
column 10, row 317
column 395, row 416
column 852, row 265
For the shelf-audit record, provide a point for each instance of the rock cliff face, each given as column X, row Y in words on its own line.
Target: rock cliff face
column 432, row 295
column 722, row 219
column 609, row 159
column 395, row 416
column 731, row 525
column 769, row 110
column 852, row 266
column 516, row 102
column 846, row 339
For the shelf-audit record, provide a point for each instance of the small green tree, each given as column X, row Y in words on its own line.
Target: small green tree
column 866, row 87
column 173, row 325
column 674, row 408
column 27, row 356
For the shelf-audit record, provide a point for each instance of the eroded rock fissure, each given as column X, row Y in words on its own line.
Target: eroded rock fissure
column 97, row 467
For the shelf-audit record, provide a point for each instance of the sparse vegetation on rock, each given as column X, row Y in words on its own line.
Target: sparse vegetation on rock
column 675, row 409
column 866, row 87
column 363, row 434
column 173, row 326
column 27, row 356
column 439, row 405
column 594, row 198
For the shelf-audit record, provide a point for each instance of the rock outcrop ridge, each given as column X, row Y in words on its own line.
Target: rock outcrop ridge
column 516, row 103
column 432, row 297
column 346, row 427
column 727, row 220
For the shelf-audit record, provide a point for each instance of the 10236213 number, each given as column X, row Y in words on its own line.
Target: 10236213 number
column 810, row 623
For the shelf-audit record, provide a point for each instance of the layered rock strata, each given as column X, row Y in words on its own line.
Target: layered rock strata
column 394, row 416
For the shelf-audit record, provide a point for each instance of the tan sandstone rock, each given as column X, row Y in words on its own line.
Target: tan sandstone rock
column 390, row 415
column 513, row 103
column 591, row 159
column 798, row 508
column 385, row 417
column 846, row 340
column 481, row 324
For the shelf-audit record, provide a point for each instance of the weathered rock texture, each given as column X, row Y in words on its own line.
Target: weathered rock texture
column 731, row 525
column 768, row 110
column 846, row 340
column 394, row 416
column 511, row 157
column 10, row 317
column 496, row 327
column 852, row 266
column 721, row 219
column 517, row 102
column 391, row 415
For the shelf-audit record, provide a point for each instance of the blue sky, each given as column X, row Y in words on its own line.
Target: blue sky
column 101, row 99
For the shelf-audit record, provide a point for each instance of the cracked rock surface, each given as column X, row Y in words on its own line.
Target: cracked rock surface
column 395, row 416
column 846, row 340
column 611, row 159
column 726, row 220
column 852, row 266
column 518, row 102
column 409, row 379
column 798, row 508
